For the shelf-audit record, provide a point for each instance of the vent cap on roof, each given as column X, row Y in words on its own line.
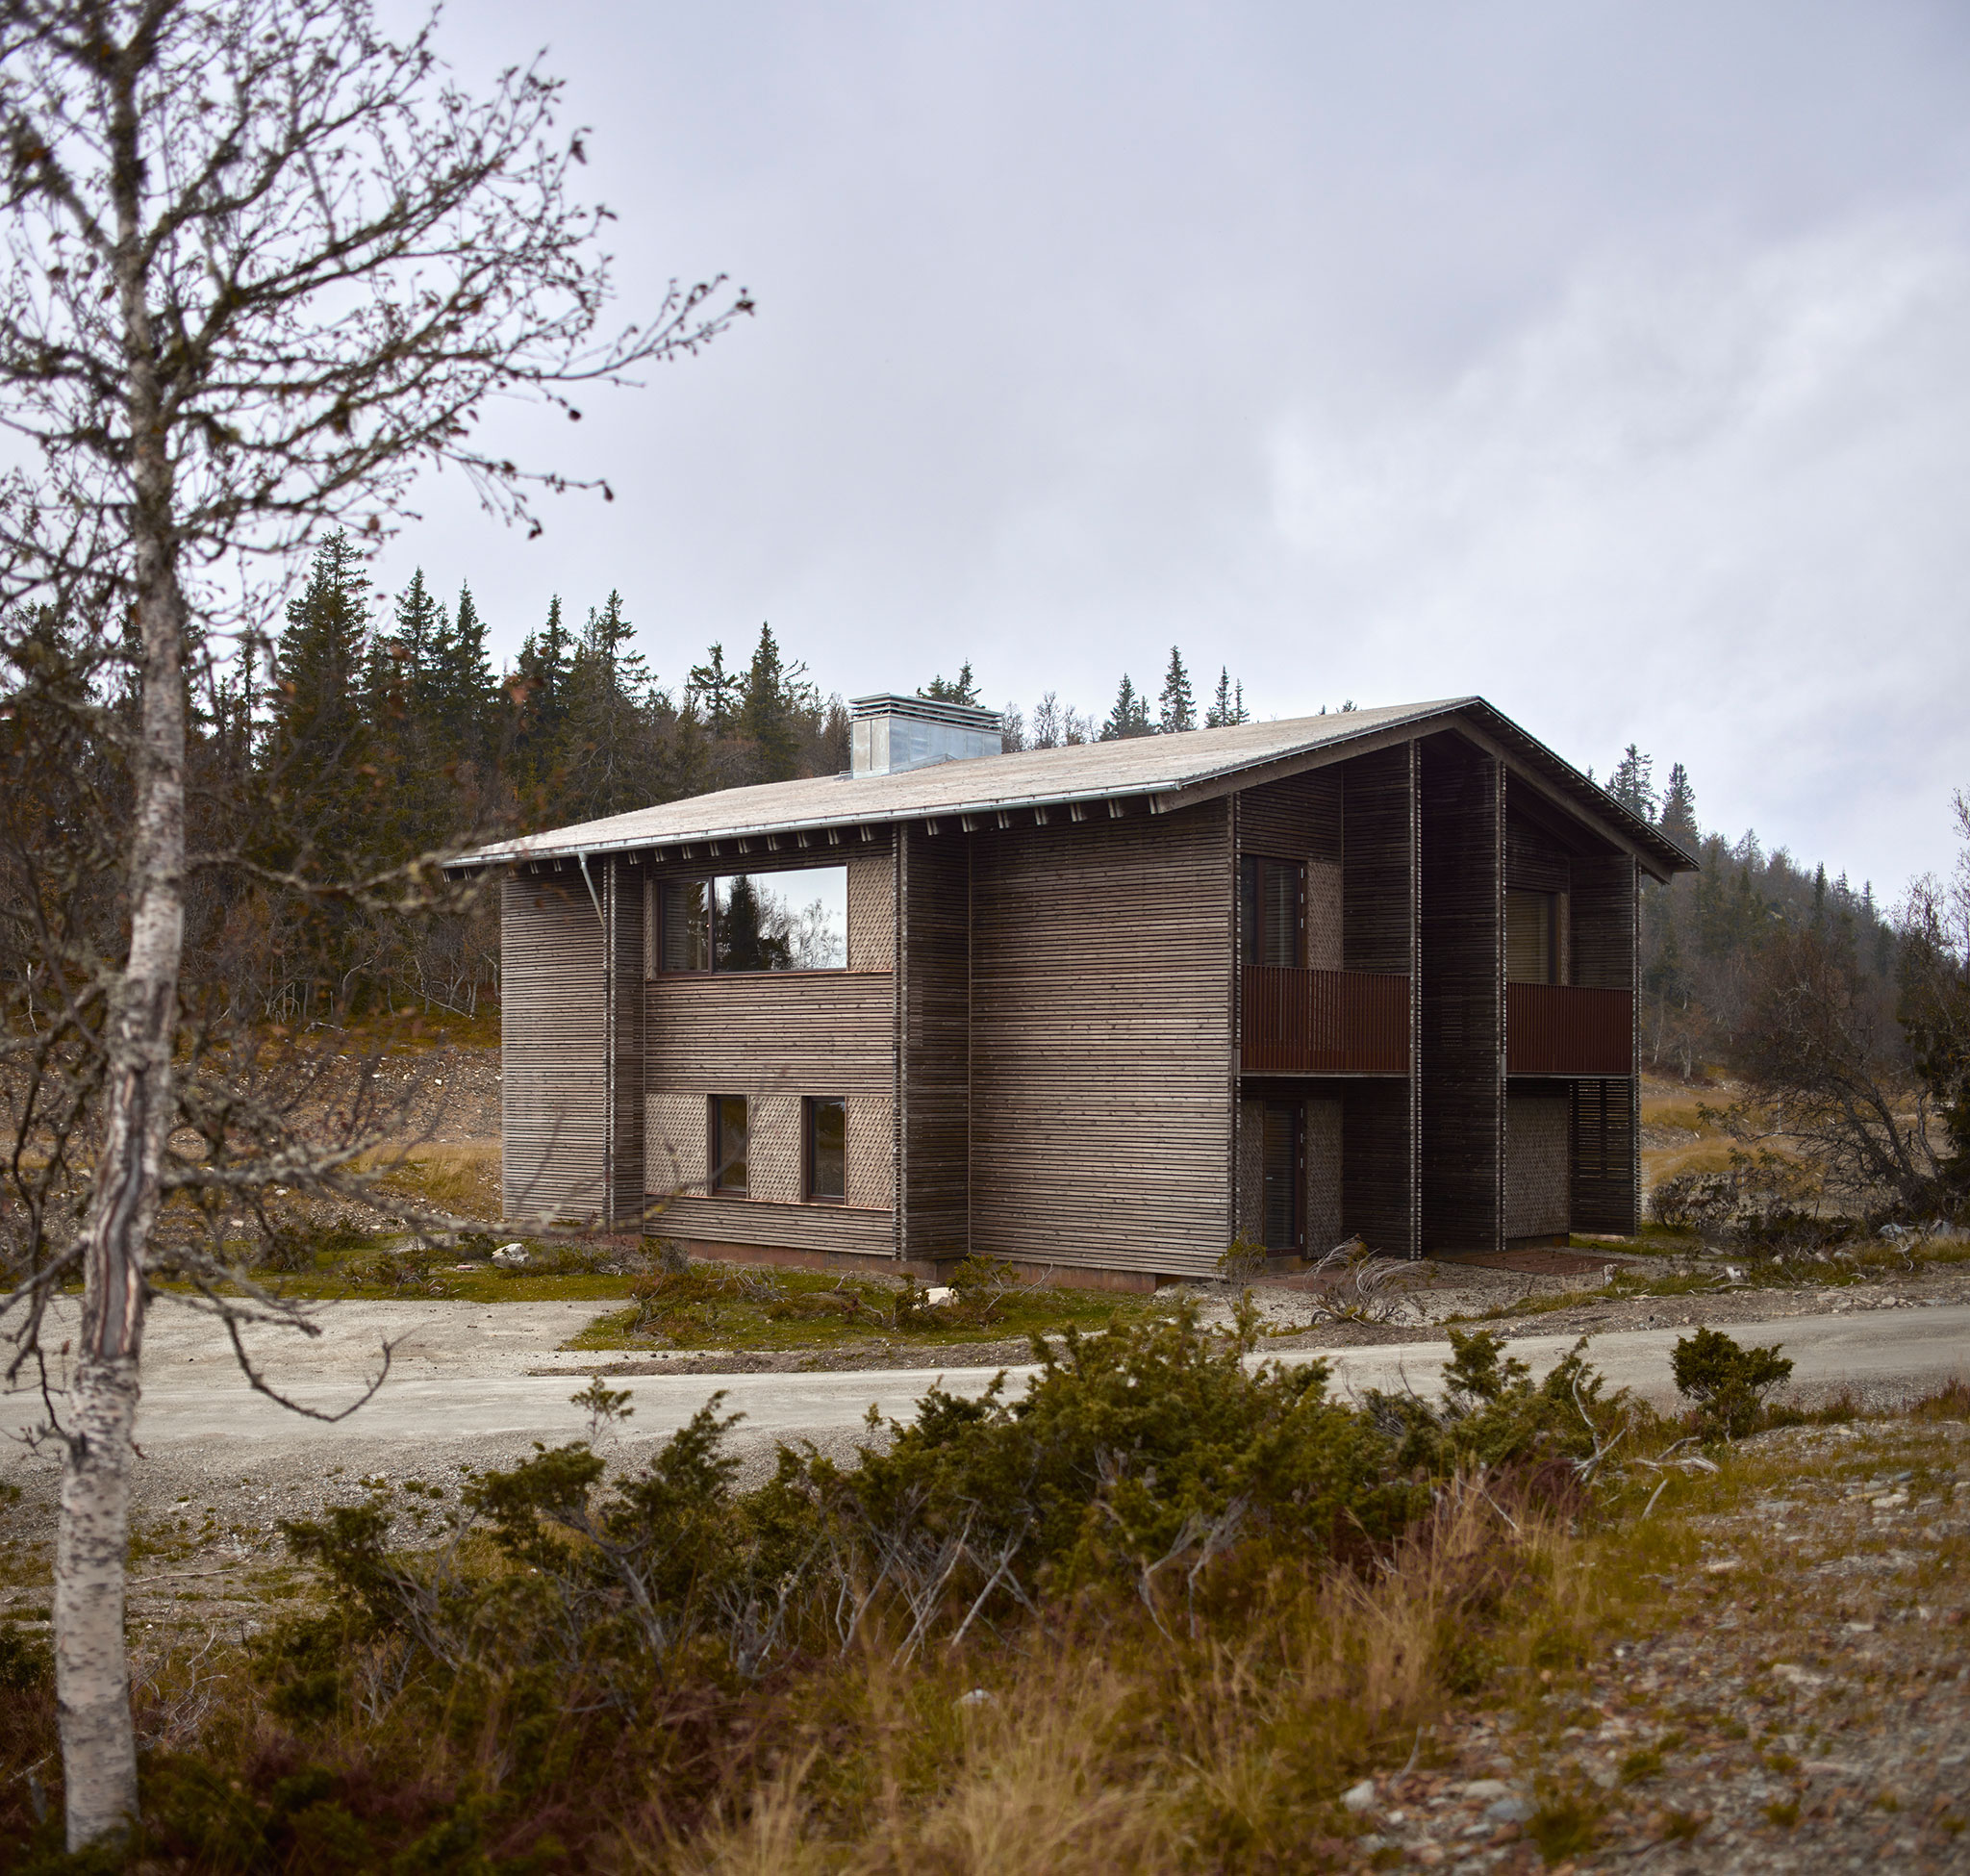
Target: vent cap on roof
column 889, row 734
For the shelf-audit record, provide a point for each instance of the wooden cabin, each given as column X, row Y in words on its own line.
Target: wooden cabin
column 1099, row 1009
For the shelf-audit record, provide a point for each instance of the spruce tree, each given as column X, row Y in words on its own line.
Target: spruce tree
column 608, row 758
column 1176, row 708
column 1219, row 715
column 318, row 659
column 961, row 689
column 320, row 740
column 1679, row 819
column 767, row 716
column 718, row 692
column 460, row 688
column 538, row 694
column 1130, row 716
column 1632, row 783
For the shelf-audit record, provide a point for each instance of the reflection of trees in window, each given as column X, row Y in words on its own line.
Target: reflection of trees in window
column 751, row 930
column 750, row 922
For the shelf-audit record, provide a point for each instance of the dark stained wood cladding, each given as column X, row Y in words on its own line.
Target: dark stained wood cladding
column 1534, row 859
column 934, row 928
column 1463, row 1031
column 1606, row 1132
column 551, row 1049
column 796, row 1227
column 1604, row 923
column 1377, row 909
column 779, row 1033
column 1603, row 1155
column 1376, row 1203
column 1298, row 818
column 1100, row 1042
column 1321, row 1022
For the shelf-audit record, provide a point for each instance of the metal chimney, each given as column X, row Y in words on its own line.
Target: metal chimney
column 889, row 734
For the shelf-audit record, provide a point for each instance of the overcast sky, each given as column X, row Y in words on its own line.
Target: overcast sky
column 1613, row 361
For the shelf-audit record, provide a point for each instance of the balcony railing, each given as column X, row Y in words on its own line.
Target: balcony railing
column 1560, row 1028
column 1323, row 1022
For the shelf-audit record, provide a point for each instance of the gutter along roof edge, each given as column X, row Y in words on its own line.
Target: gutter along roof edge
column 1588, row 796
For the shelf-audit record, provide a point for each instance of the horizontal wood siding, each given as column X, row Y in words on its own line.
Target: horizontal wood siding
column 935, row 927
column 795, row 1227
column 1378, row 920
column 1100, row 1042
column 780, row 1033
column 1377, row 1186
column 1298, row 818
column 1604, row 924
column 1534, row 860
column 1603, row 1151
column 551, row 1097
column 1462, row 1040
column 1607, row 1140
column 625, row 906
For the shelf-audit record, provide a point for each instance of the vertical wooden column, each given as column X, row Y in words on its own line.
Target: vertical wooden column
column 1379, row 932
column 933, row 1194
column 622, row 903
column 1605, row 1172
column 1461, row 1033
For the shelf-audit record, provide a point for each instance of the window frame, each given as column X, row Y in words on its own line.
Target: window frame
column 715, row 1157
column 1255, row 874
column 653, row 948
column 810, row 1108
column 1551, row 901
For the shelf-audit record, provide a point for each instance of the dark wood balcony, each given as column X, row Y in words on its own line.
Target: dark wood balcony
column 1323, row 1022
column 1562, row 1029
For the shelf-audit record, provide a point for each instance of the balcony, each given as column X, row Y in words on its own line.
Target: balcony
column 1558, row 1028
column 1323, row 1022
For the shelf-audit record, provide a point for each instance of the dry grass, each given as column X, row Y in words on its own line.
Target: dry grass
column 462, row 1178
column 1116, row 1748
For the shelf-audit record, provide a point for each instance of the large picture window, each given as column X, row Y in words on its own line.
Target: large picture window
column 827, row 1148
column 793, row 921
column 1271, row 910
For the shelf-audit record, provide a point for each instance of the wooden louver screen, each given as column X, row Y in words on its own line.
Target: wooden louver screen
column 1568, row 1030
column 1324, row 1022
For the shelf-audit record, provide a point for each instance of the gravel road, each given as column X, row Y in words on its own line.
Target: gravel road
column 477, row 1385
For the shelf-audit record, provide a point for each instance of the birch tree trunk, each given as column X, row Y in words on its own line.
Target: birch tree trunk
column 91, row 1665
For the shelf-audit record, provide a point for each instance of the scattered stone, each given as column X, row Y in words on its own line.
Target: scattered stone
column 1508, row 1811
column 511, row 1256
column 1359, row 1797
column 978, row 1697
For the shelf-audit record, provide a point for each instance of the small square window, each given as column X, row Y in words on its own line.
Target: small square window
column 827, row 1149
column 731, row 1127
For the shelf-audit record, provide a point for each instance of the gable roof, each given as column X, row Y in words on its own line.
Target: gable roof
column 1167, row 770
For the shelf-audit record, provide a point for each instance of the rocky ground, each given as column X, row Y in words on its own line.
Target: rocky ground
column 1793, row 1696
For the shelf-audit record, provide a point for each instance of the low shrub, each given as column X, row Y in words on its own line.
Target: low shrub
column 1726, row 1382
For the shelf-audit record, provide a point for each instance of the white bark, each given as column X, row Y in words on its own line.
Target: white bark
column 93, row 1675
column 91, row 1665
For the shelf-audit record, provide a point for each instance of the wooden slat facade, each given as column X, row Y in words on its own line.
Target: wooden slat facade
column 933, row 944
column 552, row 1055
column 1461, row 1044
column 1048, row 1042
column 1100, row 1040
column 1607, row 1122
